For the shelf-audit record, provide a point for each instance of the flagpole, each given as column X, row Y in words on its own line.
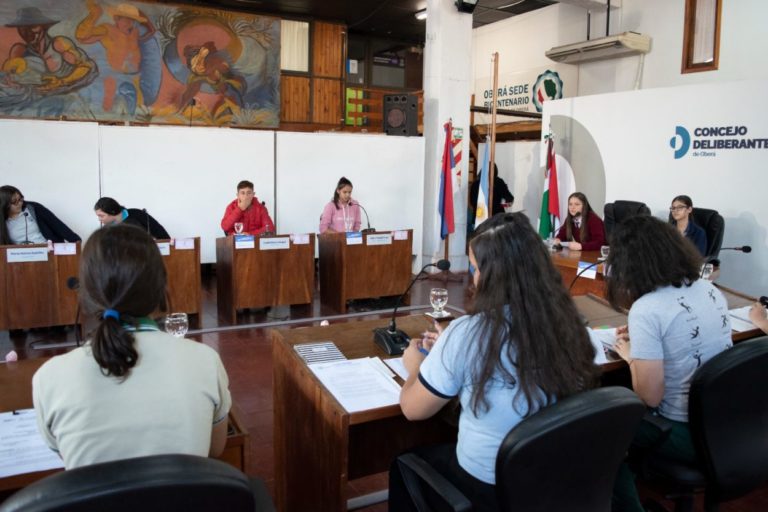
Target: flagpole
column 492, row 160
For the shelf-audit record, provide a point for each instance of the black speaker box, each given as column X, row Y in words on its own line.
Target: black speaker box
column 401, row 114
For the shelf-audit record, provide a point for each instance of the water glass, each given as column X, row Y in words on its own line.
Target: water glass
column 177, row 324
column 238, row 227
column 438, row 297
column 604, row 251
column 706, row 270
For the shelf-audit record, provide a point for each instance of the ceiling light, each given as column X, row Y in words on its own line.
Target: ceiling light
column 421, row 15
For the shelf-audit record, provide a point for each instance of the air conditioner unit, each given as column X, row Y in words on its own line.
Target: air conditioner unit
column 610, row 47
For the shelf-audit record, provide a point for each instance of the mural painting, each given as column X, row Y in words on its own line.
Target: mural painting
column 138, row 62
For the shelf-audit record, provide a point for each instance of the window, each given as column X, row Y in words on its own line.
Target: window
column 701, row 39
column 294, row 46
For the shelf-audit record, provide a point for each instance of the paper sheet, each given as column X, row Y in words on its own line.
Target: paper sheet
column 396, row 363
column 602, row 340
column 740, row 321
column 22, row 448
column 357, row 384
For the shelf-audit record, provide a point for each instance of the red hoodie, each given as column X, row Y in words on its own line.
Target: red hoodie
column 255, row 218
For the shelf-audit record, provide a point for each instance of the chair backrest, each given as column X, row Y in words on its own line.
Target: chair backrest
column 154, row 483
column 566, row 457
column 617, row 211
column 714, row 226
column 728, row 415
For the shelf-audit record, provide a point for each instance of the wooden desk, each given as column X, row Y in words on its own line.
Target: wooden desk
column 184, row 281
column 319, row 446
column 567, row 262
column 362, row 271
column 256, row 278
column 35, row 293
column 16, row 386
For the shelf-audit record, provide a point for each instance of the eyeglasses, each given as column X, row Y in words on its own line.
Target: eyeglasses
column 18, row 200
column 676, row 208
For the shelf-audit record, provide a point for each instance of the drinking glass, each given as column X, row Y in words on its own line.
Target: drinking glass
column 238, row 227
column 438, row 297
column 604, row 251
column 177, row 324
column 706, row 270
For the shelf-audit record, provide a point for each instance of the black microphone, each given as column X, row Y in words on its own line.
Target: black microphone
column 26, row 228
column 578, row 274
column 367, row 220
column 744, row 248
column 392, row 340
column 146, row 217
column 764, row 301
column 73, row 283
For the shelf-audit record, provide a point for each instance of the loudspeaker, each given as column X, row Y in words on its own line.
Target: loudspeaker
column 401, row 114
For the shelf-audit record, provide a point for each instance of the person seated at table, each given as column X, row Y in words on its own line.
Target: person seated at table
column 759, row 316
column 681, row 216
column 342, row 213
column 132, row 390
column 521, row 348
column 110, row 212
column 27, row 222
column 676, row 323
column 582, row 230
column 247, row 213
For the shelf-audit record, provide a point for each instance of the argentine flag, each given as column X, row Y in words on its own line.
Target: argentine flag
column 483, row 208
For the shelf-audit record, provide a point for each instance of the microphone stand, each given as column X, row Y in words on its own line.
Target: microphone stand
column 26, row 229
column 368, row 229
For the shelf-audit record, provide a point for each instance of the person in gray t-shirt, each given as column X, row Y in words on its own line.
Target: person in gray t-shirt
column 677, row 322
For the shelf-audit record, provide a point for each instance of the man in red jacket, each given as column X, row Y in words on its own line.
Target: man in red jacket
column 248, row 211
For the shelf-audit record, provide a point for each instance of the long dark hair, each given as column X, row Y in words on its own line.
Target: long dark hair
column 525, row 312
column 585, row 211
column 688, row 202
column 121, row 269
column 6, row 196
column 343, row 182
column 108, row 206
column 646, row 254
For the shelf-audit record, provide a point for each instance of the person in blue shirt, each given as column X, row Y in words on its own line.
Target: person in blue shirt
column 681, row 216
column 521, row 348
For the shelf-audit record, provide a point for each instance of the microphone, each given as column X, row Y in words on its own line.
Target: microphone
column 367, row 220
column 764, row 301
column 744, row 248
column 26, row 228
column 391, row 339
column 578, row 274
column 146, row 217
column 73, row 283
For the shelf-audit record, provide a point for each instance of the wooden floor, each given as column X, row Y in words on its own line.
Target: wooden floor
column 247, row 356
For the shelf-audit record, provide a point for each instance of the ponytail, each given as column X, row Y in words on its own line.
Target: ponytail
column 113, row 346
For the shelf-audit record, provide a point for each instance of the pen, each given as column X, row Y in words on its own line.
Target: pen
column 424, row 351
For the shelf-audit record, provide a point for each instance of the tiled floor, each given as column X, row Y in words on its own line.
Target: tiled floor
column 247, row 356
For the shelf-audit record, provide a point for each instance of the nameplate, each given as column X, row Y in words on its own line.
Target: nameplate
column 379, row 239
column 164, row 248
column 355, row 238
column 26, row 254
column 587, row 274
column 184, row 244
column 271, row 244
column 64, row 249
column 245, row 242
column 401, row 235
column 300, row 239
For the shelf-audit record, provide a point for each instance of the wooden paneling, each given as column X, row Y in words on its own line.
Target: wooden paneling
column 327, row 56
column 326, row 95
column 294, row 99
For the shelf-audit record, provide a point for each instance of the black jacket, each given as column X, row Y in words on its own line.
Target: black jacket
column 146, row 222
column 50, row 225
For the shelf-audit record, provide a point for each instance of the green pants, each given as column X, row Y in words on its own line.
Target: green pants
column 678, row 445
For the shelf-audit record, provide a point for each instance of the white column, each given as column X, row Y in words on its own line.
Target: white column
column 447, row 94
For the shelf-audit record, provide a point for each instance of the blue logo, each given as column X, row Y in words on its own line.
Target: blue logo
column 685, row 142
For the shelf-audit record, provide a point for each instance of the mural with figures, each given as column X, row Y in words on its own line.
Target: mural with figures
column 138, row 62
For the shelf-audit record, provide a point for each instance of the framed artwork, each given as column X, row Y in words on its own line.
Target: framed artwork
column 138, row 62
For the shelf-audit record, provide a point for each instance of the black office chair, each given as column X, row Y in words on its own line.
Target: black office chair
column 564, row 457
column 728, row 417
column 617, row 211
column 154, row 483
column 714, row 226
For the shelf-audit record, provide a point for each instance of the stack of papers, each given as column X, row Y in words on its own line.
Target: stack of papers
column 359, row 384
column 22, row 448
column 320, row 352
column 602, row 340
column 740, row 321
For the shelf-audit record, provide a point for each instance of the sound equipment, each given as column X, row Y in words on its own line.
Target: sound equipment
column 401, row 114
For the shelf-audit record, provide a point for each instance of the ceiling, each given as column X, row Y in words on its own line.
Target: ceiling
column 389, row 19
